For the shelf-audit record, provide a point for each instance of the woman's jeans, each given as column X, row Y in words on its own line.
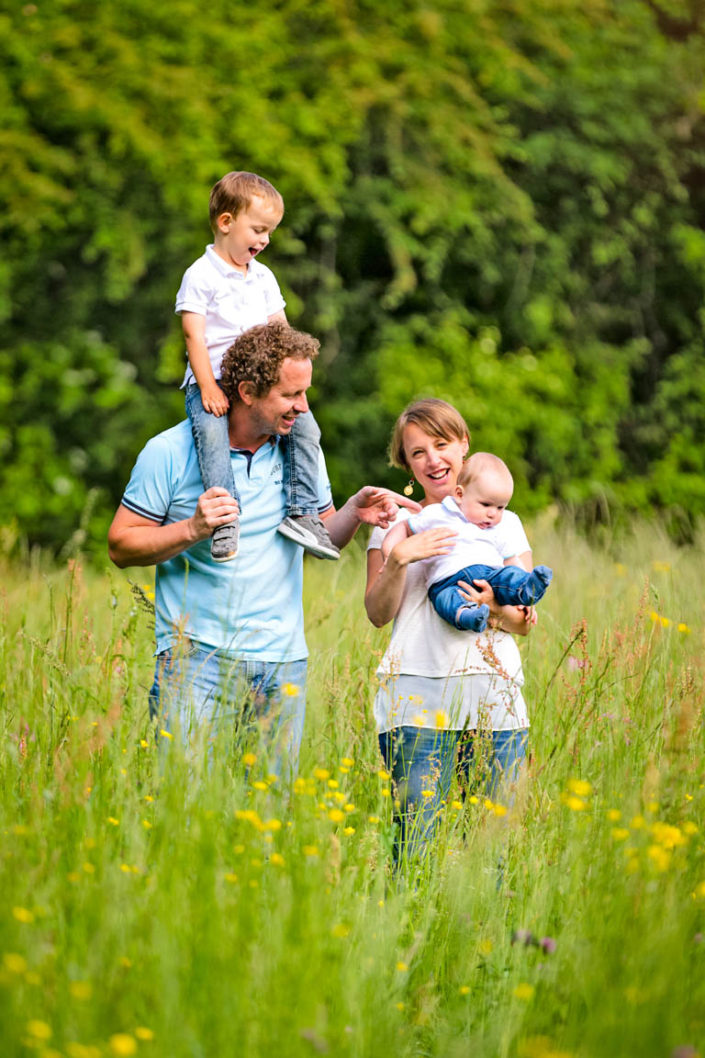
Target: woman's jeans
column 301, row 448
column 421, row 762
column 258, row 704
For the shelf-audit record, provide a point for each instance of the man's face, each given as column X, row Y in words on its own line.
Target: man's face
column 276, row 412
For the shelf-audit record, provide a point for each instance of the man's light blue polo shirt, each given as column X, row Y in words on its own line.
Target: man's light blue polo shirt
column 250, row 607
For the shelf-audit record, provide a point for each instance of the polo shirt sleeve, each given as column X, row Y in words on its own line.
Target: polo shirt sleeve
column 195, row 292
column 513, row 539
column 325, row 493
column 150, row 488
column 272, row 294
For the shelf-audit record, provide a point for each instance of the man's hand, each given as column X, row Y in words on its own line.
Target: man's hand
column 375, row 506
column 215, row 507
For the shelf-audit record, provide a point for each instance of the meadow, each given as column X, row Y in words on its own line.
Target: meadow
column 155, row 905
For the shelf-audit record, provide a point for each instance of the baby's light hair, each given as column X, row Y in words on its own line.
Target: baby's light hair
column 235, row 191
column 435, row 417
column 481, row 463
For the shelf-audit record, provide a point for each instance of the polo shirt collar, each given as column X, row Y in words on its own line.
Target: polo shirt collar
column 225, row 269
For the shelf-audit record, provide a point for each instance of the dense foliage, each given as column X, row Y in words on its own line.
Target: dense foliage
column 501, row 203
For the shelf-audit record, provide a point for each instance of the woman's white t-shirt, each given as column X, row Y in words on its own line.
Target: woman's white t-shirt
column 426, row 647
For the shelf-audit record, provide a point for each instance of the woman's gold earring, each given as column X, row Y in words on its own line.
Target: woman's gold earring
column 408, row 489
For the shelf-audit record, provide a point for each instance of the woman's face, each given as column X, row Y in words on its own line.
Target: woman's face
column 434, row 461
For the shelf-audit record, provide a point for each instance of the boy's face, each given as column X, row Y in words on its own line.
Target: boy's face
column 239, row 239
column 483, row 501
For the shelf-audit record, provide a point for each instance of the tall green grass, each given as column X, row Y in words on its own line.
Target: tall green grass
column 158, row 905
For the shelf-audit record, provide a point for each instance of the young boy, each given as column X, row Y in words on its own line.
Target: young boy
column 475, row 511
column 222, row 294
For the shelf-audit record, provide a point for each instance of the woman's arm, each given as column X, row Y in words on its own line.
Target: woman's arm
column 386, row 579
column 524, row 560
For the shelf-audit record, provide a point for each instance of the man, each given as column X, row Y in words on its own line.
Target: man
column 230, row 640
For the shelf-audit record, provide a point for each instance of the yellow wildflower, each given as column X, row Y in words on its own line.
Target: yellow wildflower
column 13, row 963
column 22, row 914
column 123, row 1045
column 321, row 773
column 667, row 836
column 249, row 759
column 581, row 787
column 660, row 857
column 143, row 1033
column 81, row 989
column 290, row 690
column 524, row 991
column 336, row 816
column 402, row 967
column 39, row 1029
column 310, row 850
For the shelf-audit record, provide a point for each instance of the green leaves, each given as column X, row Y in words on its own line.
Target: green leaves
column 521, row 175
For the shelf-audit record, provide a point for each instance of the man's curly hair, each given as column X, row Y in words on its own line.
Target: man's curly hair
column 256, row 357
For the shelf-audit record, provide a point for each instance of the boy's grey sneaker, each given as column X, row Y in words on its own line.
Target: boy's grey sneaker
column 225, row 542
column 311, row 534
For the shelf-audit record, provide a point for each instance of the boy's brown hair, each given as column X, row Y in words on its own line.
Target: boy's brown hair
column 235, row 191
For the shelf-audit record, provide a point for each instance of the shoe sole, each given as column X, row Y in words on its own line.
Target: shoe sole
column 224, row 558
column 313, row 548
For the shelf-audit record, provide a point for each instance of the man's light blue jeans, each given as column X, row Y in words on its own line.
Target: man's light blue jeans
column 259, row 704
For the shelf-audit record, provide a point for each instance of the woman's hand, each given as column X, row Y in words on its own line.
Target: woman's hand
column 428, row 544
column 516, row 619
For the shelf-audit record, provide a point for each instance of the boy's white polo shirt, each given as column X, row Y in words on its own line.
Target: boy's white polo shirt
column 230, row 301
column 250, row 607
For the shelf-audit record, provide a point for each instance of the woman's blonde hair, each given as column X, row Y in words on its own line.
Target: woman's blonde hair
column 435, row 417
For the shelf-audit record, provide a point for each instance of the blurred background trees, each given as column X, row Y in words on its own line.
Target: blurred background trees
column 499, row 203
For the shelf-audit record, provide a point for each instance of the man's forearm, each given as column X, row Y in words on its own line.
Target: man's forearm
column 146, row 545
column 343, row 524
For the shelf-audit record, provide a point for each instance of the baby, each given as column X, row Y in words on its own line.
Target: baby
column 483, row 545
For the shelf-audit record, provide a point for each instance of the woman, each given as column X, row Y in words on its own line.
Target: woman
column 440, row 688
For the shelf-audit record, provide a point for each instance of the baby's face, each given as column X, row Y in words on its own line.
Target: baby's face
column 484, row 500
